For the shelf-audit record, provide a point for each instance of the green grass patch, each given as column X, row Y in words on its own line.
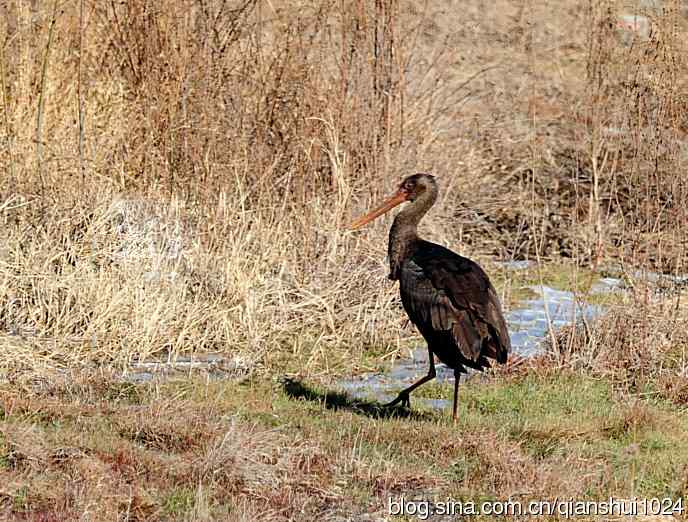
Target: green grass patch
column 225, row 444
column 178, row 502
column 515, row 284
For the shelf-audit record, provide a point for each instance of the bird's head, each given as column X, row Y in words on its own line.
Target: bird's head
column 410, row 189
column 416, row 185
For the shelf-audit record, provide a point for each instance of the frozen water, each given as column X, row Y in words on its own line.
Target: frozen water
column 517, row 265
column 528, row 325
column 215, row 365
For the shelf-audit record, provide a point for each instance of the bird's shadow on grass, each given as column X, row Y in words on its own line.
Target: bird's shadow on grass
column 333, row 400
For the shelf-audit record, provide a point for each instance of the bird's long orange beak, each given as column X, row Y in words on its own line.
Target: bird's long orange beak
column 389, row 204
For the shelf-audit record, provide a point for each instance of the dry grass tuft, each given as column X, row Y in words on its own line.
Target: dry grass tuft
column 631, row 345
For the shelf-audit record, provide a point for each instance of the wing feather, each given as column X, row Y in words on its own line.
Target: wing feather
column 443, row 291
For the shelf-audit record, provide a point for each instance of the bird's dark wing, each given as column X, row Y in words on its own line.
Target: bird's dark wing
column 443, row 291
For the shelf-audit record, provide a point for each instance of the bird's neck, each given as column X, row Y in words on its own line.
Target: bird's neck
column 403, row 236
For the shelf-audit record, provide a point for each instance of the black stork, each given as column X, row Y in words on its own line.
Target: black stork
column 448, row 297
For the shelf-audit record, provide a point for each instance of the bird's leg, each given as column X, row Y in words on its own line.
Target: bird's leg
column 404, row 396
column 457, row 376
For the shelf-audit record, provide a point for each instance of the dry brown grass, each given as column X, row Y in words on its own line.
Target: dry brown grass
column 639, row 347
column 177, row 178
column 143, row 459
column 196, row 170
column 90, row 446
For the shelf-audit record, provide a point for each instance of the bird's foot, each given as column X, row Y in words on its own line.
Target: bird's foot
column 403, row 398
